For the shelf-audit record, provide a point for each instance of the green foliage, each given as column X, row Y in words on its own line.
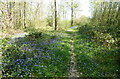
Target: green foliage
column 94, row 59
column 42, row 57
column 106, row 21
column 35, row 35
column 49, row 20
column 63, row 25
column 100, row 34
column 83, row 20
column 46, row 53
column 100, row 39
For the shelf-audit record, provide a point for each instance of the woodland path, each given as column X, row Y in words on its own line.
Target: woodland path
column 70, row 33
column 73, row 64
column 57, row 54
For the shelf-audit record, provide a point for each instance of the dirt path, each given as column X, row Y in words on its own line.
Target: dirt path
column 73, row 64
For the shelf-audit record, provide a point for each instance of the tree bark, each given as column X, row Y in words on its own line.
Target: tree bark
column 19, row 14
column 9, row 13
column 24, row 15
column 55, row 15
column 71, row 12
column 109, row 13
column 103, row 13
column 118, row 14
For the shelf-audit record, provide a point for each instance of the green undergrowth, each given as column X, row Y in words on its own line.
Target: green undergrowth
column 36, row 55
column 47, row 54
column 94, row 59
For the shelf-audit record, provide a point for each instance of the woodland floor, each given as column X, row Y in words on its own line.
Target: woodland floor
column 57, row 54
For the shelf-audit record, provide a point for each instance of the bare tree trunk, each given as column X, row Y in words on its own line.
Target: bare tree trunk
column 19, row 14
column 55, row 14
column 9, row 13
column 71, row 12
column 118, row 14
column 109, row 19
column 24, row 15
column 115, row 4
column 103, row 13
